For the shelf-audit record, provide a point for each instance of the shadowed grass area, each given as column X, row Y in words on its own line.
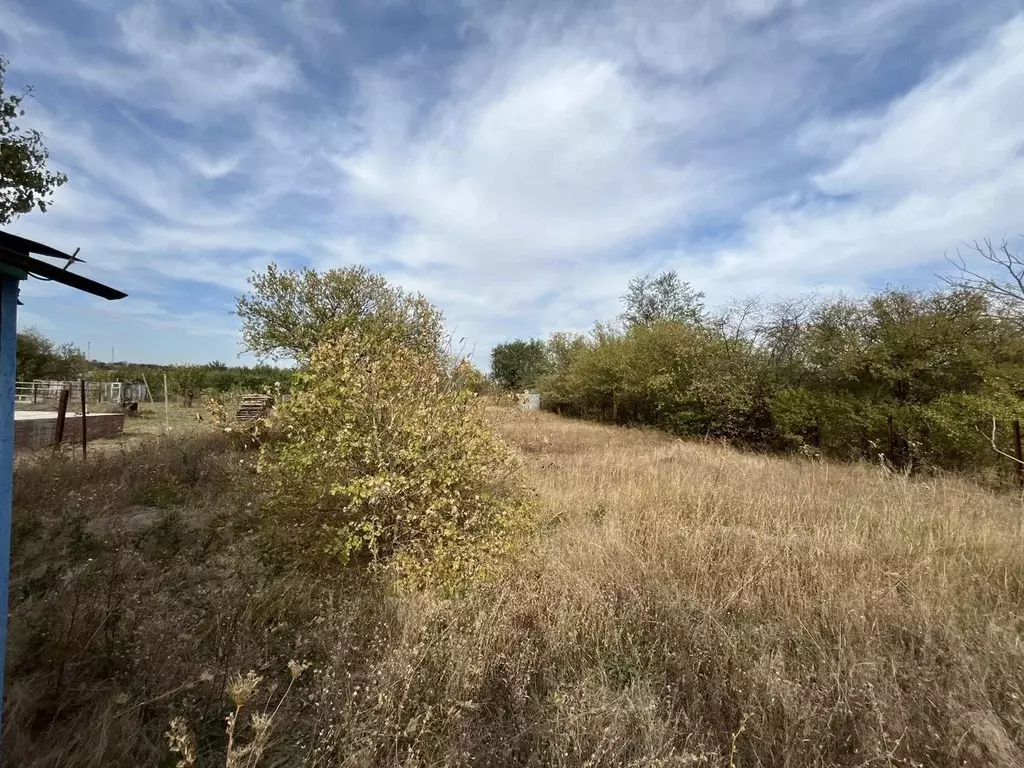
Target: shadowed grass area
column 681, row 605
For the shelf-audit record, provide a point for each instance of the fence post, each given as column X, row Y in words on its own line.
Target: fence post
column 62, row 412
column 33, row 393
column 892, row 442
column 82, row 384
column 1018, row 470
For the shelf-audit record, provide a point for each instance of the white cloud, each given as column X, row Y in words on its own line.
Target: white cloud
column 160, row 61
column 559, row 160
column 940, row 165
column 962, row 126
column 521, row 179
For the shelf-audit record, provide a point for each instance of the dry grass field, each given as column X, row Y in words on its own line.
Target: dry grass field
column 819, row 614
column 680, row 605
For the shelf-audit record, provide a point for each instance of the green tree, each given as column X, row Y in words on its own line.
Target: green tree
column 25, row 182
column 40, row 358
column 35, row 355
column 562, row 347
column 518, row 364
column 651, row 299
column 287, row 313
column 940, row 364
column 187, row 380
column 827, row 374
column 685, row 378
column 68, row 362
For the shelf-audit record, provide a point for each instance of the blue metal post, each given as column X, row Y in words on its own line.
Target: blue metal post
column 8, row 378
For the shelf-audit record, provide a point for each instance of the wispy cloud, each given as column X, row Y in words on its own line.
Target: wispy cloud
column 903, row 185
column 518, row 164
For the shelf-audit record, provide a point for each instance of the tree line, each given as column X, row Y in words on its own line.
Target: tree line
column 921, row 379
column 42, row 358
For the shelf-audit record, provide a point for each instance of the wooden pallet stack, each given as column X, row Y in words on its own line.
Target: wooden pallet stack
column 252, row 407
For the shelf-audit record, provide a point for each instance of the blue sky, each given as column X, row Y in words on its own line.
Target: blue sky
column 517, row 163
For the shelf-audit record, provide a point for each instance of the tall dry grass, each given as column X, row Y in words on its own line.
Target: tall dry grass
column 682, row 604
column 137, row 593
column 760, row 611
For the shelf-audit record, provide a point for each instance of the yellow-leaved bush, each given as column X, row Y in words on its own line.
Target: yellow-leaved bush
column 380, row 455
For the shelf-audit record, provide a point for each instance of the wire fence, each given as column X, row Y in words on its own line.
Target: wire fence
column 48, row 392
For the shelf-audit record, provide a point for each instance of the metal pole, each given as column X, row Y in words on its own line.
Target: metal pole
column 8, row 378
column 167, row 412
column 1018, row 470
column 84, row 445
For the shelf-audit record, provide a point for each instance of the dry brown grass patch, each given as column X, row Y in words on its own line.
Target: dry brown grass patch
column 683, row 605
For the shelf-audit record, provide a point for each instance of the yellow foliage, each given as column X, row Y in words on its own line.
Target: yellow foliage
column 468, row 376
column 383, row 456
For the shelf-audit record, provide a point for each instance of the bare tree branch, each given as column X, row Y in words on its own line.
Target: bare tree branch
column 992, row 439
column 1006, row 294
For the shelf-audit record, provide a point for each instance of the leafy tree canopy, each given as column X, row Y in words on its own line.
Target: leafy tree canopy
column 519, row 364
column 649, row 299
column 25, row 182
column 287, row 312
column 40, row 358
column 827, row 375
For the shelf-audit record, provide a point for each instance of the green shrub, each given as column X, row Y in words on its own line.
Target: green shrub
column 836, row 423
column 955, row 430
column 381, row 456
column 676, row 376
column 825, row 376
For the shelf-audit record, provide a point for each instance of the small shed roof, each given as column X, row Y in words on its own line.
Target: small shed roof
column 16, row 253
column 26, row 246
